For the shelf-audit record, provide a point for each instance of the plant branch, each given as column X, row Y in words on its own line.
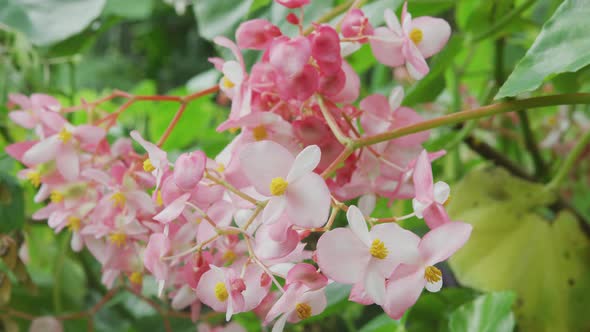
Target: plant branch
column 569, row 162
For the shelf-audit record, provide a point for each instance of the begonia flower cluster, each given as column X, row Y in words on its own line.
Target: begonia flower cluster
column 229, row 233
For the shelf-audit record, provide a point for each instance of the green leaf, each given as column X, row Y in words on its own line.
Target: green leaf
column 516, row 246
column 13, row 15
column 384, row 323
column 54, row 20
column 220, row 17
column 312, row 13
column 12, row 205
column 488, row 313
column 432, row 310
column 130, row 9
column 562, row 46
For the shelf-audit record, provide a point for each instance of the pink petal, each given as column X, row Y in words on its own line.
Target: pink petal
column 367, row 204
column 316, row 300
column 42, row 152
column 403, row 292
column 223, row 41
column 387, row 47
column 435, row 34
column 173, row 210
column 392, row 21
column 23, row 118
column 375, row 284
column 396, row 97
column 358, row 225
column 284, row 304
column 274, row 209
column 351, row 89
column 423, row 179
column 52, row 120
column 359, row 295
column 305, row 162
column 441, row 242
column 158, row 246
column 17, row 150
column 157, row 156
column 308, row 275
column 263, row 161
column 19, row 99
column 435, row 215
column 206, row 289
column 67, row 162
column 308, row 201
column 342, row 256
column 90, row 135
column 49, row 103
column 183, row 298
column 415, row 63
column 267, row 248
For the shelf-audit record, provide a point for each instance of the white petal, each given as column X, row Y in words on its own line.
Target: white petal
column 358, row 225
column 273, row 210
column 392, row 21
column 305, row 162
column 347, row 48
column 280, row 324
column 396, row 97
column 441, row 192
column 367, row 204
column 434, row 286
column 233, row 71
column 418, row 207
column 375, row 285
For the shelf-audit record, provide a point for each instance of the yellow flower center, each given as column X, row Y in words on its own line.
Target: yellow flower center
column 148, row 166
column 118, row 239
column 64, row 135
column 416, row 35
column 378, row 249
column 229, row 256
column 446, row 203
column 159, row 199
column 220, row 168
column 233, row 130
column 259, row 133
column 278, row 186
column 118, row 199
column 56, row 196
column 303, row 310
column 227, row 83
column 221, row 292
column 432, row 274
column 34, row 177
column 136, row 278
column 74, row 223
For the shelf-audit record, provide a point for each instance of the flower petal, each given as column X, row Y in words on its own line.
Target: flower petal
column 435, row 34
column 375, row 284
column 173, row 210
column 342, row 256
column 43, row 151
column 435, row 215
column 423, row 179
column 441, row 242
column 305, row 162
column 67, row 162
column 358, row 225
column 308, row 201
column 434, row 286
column 264, row 161
column 387, row 46
column 401, row 244
column 441, row 192
column 273, row 210
column 403, row 292
column 206, row 289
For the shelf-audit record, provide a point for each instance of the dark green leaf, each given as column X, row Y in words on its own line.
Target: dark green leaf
column 488, row 313
column 12, row 205
column 220, row 17
column 384, row 323
column 130, row 9
column 562, row 46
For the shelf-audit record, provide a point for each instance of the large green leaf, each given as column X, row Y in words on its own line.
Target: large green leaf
column 130, row 9
column 12, row 205
column 220, row 17
column 384, row 323
column 562, row 46
column 50, row 21
column 488, row 313
column 517, row 245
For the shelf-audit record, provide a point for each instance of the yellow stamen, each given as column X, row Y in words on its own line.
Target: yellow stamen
column 118, row 239
column 220, row 168
column 136, row 278
column 148, row 166
column 303, row 310
column 378, row 249
column 118, row 199
column 233, row 130
column 227, row 83
column 229, row 256
column 64, row 135
column 159, row 199
column 446, row 203
column 35, row 178
column 74, row 223
column 221, row 292
column 278, row 186
column 432, row 274
column 56, row 196
column 416, row 35
column 259, row 133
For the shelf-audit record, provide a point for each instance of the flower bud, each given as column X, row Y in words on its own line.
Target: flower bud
column 188, row 169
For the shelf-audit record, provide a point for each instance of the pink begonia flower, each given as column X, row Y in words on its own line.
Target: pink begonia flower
column 46, row 324
column 158, row 246
column 38, row 112
column 63, row 148
column 234, row 82
column 296, row 78
column 183, row 298
column 293, row 3
column 410, row 42
column 189, row 169
column 290, row 182
column 325, row 49
column 269, row 245
column 355, row 24
column 430, row 198
column 157, row 162
column 296, row 304
column 407, row 281
column 355, row 255
column 350, row 92
column 307, row 275
column 223, row 290
column 256, row 34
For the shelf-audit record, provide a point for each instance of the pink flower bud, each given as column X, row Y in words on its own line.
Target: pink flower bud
column 325, row 48
column 256, row 34
column 355, row 24
column 188, row 169
column 293, row 19
column 293, row 3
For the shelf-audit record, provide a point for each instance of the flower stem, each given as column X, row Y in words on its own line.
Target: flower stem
column 569, row 162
